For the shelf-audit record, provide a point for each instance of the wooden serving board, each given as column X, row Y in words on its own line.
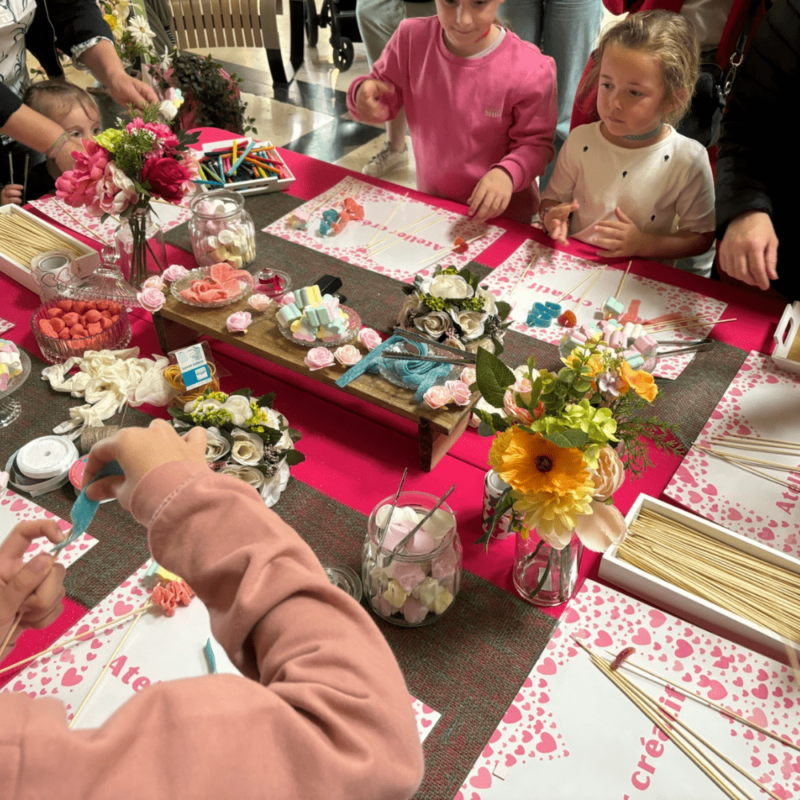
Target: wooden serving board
column 177, row 324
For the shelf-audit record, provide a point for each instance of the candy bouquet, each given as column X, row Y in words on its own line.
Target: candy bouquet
column 246, row 438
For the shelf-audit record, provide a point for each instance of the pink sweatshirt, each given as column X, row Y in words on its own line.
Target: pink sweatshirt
column 469, row 115
column 322, row 713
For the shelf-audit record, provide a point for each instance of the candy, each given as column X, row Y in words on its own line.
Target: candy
column 646, row 345
column 298, row 219
column 414, row 612
column 409, row 576
column 395, row 594
column 617, row 339
column 331, row 215
column 632, row 314
column 634, row 359
column 355, row 210
column 612, row 307
column 567, row 319
column 636, row 331
column 308, row 295
column 287, row 314
column 460, row 246
column 324, row 228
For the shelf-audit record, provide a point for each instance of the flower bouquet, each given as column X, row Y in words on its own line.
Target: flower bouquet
column 133, row 37
column 247, row 438
column 563, row 442
column 451, row 308
column 121, row 170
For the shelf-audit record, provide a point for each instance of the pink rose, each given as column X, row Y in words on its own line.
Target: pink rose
column 437, row 396
column 151, row 299
column 523, row 387
column 347, row 355
column 166, row 178
column 115, row 191
column 319, row 358
column 460, row 392
column 154, row 282
column 174, row 272
column 468, row 375
column 515, row 412
column 369, row 338
column 260, row 302
column 239, row 322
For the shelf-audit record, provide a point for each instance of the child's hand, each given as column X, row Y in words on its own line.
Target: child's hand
column 556, row 220
column 12, row 193
column 491, row 196
column 618, row 237
column 34, row 589
column 368, row 100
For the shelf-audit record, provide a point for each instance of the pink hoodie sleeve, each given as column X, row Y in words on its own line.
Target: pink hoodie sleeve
column 323, row 711
column 390, row 68
column 534, row 126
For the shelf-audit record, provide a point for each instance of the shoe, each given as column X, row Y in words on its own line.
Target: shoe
column 385, row 161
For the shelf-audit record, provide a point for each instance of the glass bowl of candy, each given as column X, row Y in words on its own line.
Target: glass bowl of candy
column 411, row 584
column 641, row 349
column 64, row 328
column 221, row 229
column 312, row 319
column 212, row 287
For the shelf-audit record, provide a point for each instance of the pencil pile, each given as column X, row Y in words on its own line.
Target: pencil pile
column 241, row 161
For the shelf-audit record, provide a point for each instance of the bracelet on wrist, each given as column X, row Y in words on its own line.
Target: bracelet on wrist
column 55, row 148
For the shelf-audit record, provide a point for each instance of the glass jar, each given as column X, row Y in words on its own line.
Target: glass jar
column 140, row 244
column 221, row 229
column 543, row 575
column 418, row 584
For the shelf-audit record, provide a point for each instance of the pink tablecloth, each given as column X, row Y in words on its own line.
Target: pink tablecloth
column 356, row 452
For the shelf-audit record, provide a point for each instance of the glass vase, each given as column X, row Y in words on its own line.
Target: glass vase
column 140, row 241
column 543, row 575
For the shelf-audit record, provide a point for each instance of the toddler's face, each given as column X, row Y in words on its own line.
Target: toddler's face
column 466, row 22
column 630, row 93
column 81, row 123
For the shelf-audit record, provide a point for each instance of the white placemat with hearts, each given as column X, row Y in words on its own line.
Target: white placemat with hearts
column 401, row 260
column 167, row 215
column 159, row 649
column 14, row 509
column 762, row 400
column 571, row 734
column 553, row 273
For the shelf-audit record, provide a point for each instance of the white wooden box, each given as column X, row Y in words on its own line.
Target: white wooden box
column 82, row 265
column 785, row 337
column 686, row 605
column 259, row 185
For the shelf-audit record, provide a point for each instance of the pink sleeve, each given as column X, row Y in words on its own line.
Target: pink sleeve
column 324, row 710
column 534, row 126
column 391, row 68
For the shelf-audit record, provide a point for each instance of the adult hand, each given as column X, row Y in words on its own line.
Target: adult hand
column 368, row 100
column 491, row 196
column 139, row 451
column 556, row 220
column 35, row 589
column 12, row 193
column 618, row 237
column 127, row 90
column 749, row 249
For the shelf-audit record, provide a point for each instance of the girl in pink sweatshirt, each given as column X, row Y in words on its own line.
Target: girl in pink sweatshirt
column 322, row 709
column 480, row 102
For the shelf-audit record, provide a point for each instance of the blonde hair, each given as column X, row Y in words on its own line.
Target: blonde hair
column 49, row 97
column 669, row 39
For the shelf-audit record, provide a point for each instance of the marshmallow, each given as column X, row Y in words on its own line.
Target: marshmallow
column 414, row 612
column 287, row 314
column 395, row 594
column 646, row 345
column 613, row 307
column 226, row 237
column 634, row 359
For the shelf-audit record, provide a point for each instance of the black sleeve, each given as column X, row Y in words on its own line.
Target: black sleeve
column 752, row 170
column 9, row 103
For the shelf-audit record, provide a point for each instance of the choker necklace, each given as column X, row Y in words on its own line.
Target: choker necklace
column 640, row 137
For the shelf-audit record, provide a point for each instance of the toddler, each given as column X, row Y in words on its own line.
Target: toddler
column 71, row 107
column 480, row 102
column 630, row 184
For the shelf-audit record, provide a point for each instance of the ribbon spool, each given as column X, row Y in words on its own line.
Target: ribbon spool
column 52, row 272
column 93, row 434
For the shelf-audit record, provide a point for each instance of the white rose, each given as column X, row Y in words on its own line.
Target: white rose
column 248, row 474
column 168, row 110
column 472, row 323
column 202, row 407
column 274, row 486
column 521, row 373
column 411, row 305
column 447, row 287
column 486, row 344
column 248, row 448
column 217, row 446
column 239, row 408
column 434, row 324
column 490, row 306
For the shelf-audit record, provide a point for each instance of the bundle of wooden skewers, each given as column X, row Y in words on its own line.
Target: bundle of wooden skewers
column 22, row 238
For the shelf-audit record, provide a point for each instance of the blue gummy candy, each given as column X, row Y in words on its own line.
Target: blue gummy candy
column 324, row 228
column 552, row 308
column 331, row 215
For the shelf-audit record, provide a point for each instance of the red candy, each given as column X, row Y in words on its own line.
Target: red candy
column 46, row 327
column 460, row 245
column 93, row 328
column 115, row 318
column 71, row 319
column 64, row 334
column 106, row 323
column 79, row 306
column 115, row 309
column 65, row 305
column 567, row 319
column 355, row 210
column 93, row 316
column 77, row 331
column 102, row 305
column 57, row 324
column 54, row 312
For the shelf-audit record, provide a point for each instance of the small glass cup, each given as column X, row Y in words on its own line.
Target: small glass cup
column 421, row 582
column 221, row 229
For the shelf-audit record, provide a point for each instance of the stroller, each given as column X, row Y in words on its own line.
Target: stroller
column 341, row 16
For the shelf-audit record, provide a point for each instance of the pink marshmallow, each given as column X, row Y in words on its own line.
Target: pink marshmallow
column 407, row 575
column 414, row 612
column 421, row 543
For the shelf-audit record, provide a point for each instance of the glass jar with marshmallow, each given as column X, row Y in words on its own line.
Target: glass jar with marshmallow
column 221, row 229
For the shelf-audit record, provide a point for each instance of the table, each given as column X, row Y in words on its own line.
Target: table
column 356, row 451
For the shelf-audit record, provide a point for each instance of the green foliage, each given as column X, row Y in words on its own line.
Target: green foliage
column 493, row 377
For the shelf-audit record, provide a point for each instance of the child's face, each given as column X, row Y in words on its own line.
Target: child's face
column 630, row 93
column 466, row 23
column 81, row 123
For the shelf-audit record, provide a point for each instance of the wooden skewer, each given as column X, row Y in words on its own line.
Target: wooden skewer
column 108, row 663
column 758, row 472
column 579, row 283
column 399, row 239
column 678, row 320
column 382, row 227
column 17, row 618
column 736, row 445
column 762, row 461
column 793, row 663
column 92, row 234
column 622, row 280
column 521, row 277
column 59, row 645
column 690, row 323
column 763, row 439
column 405, row 227
column 450, row 249
column 628, row 663
column 588, row 289
column 25, row 178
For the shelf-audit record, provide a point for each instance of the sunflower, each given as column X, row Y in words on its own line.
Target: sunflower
column 640, row 381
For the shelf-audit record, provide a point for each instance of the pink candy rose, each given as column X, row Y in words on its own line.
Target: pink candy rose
column 239, row 322
column 347, row 355
column 460, row 392
column 151, row 299
column 468, row 375
column 437, row 396
column 319, row 358
column 154, row 282
column 175, row 272
column 369, row 338
column 260, row 302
